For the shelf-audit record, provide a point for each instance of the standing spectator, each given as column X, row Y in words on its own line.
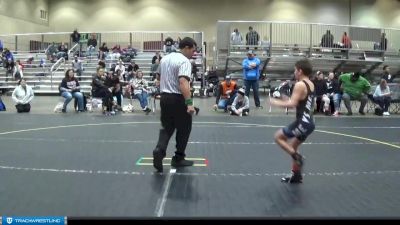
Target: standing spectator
column 76, row 37
column 8, row 61
column 69, row 89
column 382, row 96
column 383, row 42
column 226, row 94
column 103, row 51
column 77, row 67
column 346, row 41
column 22, row 96
column 327, row 40
column 355, row 87
column 236, row 37
column 251, row 75
column 386, row 74
column 91, row 45
column 252, row 37
column 241, row 104
column 18, row 68
column 168, row 43
column 176, row 104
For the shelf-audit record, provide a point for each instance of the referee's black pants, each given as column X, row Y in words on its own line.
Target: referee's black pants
column 174, row 116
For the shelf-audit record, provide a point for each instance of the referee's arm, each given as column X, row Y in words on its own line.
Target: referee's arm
column 184, row 85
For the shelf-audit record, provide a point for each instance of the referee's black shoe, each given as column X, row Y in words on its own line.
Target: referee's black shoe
column 158, row 156
column 180, row 162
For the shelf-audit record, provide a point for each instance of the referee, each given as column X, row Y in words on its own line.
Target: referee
column 176, row 104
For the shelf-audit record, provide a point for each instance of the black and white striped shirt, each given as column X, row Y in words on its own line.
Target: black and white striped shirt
column 173, row 66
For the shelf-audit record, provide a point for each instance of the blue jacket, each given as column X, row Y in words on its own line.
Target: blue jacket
column 251, row 73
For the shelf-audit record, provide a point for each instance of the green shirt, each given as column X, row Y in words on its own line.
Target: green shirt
column 354, row 89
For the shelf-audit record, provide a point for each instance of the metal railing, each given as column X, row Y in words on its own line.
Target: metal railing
column 55, row 67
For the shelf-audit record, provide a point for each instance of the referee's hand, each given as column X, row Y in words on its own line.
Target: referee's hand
column 190, row 109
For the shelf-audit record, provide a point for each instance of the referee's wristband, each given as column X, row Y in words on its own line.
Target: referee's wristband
column 189, row 101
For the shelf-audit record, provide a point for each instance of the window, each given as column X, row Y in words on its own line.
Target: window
column 43, row 14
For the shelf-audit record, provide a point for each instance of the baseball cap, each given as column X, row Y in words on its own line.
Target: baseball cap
column 228, row 77
column 250, row 52
column 241, row 91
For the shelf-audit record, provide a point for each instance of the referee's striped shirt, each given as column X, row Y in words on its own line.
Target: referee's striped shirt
column 173, row 66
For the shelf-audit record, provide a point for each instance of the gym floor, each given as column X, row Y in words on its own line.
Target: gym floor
column 90, row 165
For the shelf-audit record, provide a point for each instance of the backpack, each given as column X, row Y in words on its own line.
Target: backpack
column 378, row 111
column 2, row 106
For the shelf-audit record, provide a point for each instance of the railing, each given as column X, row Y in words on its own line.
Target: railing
column 274, row 34
column 55, row 67
column 72, row 50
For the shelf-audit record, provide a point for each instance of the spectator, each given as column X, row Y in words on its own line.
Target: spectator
column 168, row 45
column 155, row 57
column 129, row 52
column 383, row 42
column 140, row 91
column 226, row 94
column 252, row 37
column 355, row 87
column 346, row 41
column 8, row 62
column 251, row 75
column 121, row 67
column 386, row 74
column 52, row 52
column 100, row 89
column 241, row 104
column 154, row 69
column 320, row 93
column 22, row 96
column 103, row 51
column 236, row 37
column 69, row 89
column 1, row 47
column 91, row 45
column 77, row 67
column 18, row 68
column 382, row 96
column 327, row 40
column 333, row 93
column 62, row 51
column 113, row 81
column 76, row 37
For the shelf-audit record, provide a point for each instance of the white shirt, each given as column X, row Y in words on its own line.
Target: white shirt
column 173, row 66
column 20, row 96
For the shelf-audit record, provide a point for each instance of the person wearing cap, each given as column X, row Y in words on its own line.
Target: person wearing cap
column 176, row 104
column 251, row 75
column 241, row 104
column 226, row 94
column 355, row 87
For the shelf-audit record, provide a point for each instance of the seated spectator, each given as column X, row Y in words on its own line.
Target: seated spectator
column 355, row 87
column 100, row 89
column 386, row 74
column 333, row 92
column 320, row 92
column 22, row 96
column 77, row 67
column 120, row 66
column 240, row 105
column 114, row 81
column 70, row 88
column 155, row 57
column 52, row 52
column 382, row 97
column 130, row 52
column 154, row 69
column 140, row 91
column 62, row 51
column 226, row 94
